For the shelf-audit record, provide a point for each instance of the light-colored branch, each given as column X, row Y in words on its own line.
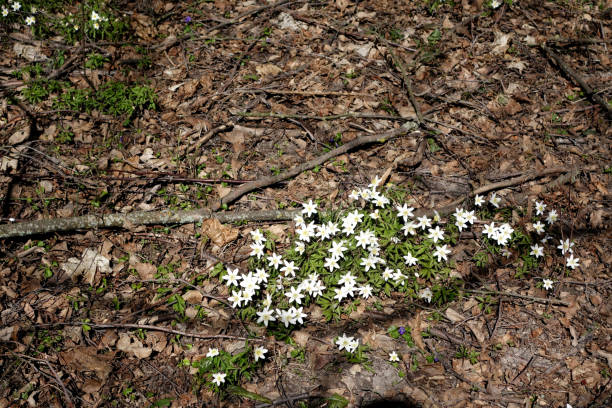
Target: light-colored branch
column 118, row 220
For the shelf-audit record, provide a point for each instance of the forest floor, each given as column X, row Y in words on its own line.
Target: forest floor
column 203, row 108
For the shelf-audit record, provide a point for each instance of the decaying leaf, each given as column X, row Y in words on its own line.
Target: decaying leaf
column 90, row 263
column 132, row 345
column 218, row 233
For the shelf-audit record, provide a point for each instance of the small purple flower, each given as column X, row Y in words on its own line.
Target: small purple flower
column 401, row 330
column 436, row 359
column 187, row 19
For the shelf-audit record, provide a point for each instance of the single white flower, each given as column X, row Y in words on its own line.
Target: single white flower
column 411, row 260
column 353, row 346
column 368, row 263
column 552, row 217
column 347, row 279
column 96, row 26
column 212, row 352
column 257, row 236
column 374, row 215
column 489, row 230
column 426, row 294
column 441, row 252
column 331, row 263
column 365, row 291
column 436, row 234
column 496, row 3
column 5, row 11
column 257, row 249
column 259, row 353
column 393, row 357
column 75, row 27
column 299, row 221
column 495, row 200
column 405, row 212
column 275, row 260
column 15, row 5
column 236, row 298
column 506, row 252
column 354, row 195
column 572, row 262
column 297, row 315
column 95, row 16
column 309, row 208
column 265, row 316
column 537, row 251
column 424, row 222
column 267, row 302
column 478, row 200
column 294, row 295
column 380, row 200
column 337, row 249
column 566, row 246
column 409, row 228
column 547, row 284
column 289, row 268
column 232, row 277
column 540, row 207
column 284, row 317
column 538, row 227
column 375, row 182
column 30, row 20
column 219, row 378
column 343, row 342
column 387, row 274
column 300, row 247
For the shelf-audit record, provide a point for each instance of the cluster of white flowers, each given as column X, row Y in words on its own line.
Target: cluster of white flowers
column 501, row 234
column 259, row 353
column 96, row 19
column 16, row 6
column 349, row 344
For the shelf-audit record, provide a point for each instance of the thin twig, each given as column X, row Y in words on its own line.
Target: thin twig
column 267, row 181
column 408, row 84
column 517, row 295
column 577, row 78
column 300, row 93
column 263, row 115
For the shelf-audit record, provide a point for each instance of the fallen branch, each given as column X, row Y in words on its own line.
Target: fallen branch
column 268, row 181
column 301, row 93
column 515, row 181
column 519, row 296
column 263, row 115
column 149, row 327
column 118, row 220
column 578, row 79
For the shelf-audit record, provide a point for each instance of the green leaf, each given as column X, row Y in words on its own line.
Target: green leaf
column 337, row 401
column 241, row 392
column 166, row 402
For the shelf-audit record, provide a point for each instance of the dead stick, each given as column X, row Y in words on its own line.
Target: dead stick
column 517, row 295
column 300, row 93
column 117, row 220
column 407, row 84
column 149, row 327
column 263, row 115
column 267, row 181
column 577, row 78
column 513, row 182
